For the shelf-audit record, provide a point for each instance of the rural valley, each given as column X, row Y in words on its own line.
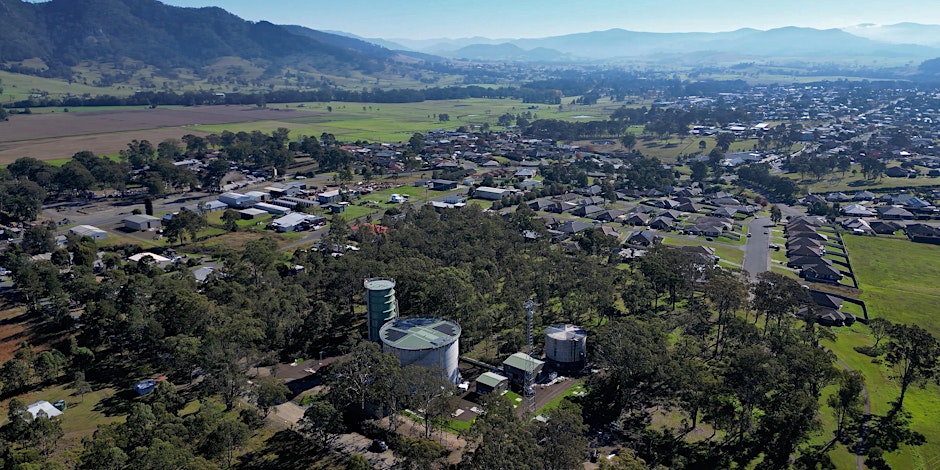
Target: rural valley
column 233, row 243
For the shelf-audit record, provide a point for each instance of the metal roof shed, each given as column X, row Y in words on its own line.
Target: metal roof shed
column 89, row 231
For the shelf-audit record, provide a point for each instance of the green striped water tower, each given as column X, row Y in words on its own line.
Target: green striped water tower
column 381, row 305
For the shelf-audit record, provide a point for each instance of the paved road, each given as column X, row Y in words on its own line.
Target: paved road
column 757, row 250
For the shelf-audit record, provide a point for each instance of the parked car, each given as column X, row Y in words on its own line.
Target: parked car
column 379, row 445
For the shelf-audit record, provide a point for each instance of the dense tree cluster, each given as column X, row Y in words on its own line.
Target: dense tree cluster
column 758, row 175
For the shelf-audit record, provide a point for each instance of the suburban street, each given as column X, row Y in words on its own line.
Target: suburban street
column 757, row 250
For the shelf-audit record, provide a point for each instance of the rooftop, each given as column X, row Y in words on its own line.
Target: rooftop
column 419, row 333
column 522, row 361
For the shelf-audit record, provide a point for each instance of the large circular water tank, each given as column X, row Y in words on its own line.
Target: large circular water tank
column 565, row 344
column 427, row 342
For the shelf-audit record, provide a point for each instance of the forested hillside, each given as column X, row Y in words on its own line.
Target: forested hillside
column 63, row 33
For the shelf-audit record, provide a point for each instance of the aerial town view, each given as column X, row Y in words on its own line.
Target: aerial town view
column 435, row 235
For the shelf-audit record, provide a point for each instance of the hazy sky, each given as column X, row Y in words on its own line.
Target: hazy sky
column 421, row 19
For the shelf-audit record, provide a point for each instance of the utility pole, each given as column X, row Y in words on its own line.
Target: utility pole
column 528, row 391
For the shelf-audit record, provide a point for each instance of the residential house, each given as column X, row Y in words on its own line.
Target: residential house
column 644, row 238
column 724, row 212
column 884, row 228
column 897, row 172
column 856, row 210
column 800, row 261
column 587, row 211
column 637, row 219
column 804, row 251
column 609, row 215
column 662, row 223
column 541, row 204
column 894, row 213
column 574, row 226
column 821, row 273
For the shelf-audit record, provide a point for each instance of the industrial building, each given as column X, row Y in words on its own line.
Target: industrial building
column 271, row 208
column 566, row 346
column 427, row 342
column 381, row 305
column 89, row 231
column 491, row 194
column 516, row 366
column 237, row 200
column 141, row 222
column 296, row 221
column 491, row 382
column 249, row 214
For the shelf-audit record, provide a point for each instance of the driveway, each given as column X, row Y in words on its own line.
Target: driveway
column 757, row 250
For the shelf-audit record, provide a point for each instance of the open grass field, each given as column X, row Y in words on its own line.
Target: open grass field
column 899, row 279
column 899, row 282
column 19, row 87
column 851, row 184
column 396, row 122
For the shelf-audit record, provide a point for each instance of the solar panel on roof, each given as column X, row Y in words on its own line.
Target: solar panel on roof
column 394, row 335
column 446, row 328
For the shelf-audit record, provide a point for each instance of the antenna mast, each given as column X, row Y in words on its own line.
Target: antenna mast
column 528, row 391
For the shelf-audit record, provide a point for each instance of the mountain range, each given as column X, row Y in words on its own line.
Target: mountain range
column 66, row 33
column 780, row 43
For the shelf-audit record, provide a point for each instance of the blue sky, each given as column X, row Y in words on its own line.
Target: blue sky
column 422, row 19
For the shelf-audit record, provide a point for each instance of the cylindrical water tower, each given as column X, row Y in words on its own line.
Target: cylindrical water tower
column 427, row 342
column 381, row 305
column 566, row 346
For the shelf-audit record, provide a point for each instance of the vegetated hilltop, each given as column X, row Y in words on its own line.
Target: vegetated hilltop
column 64, row 33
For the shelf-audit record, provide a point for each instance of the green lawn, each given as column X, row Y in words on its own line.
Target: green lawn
column 396, row 122
column 899, row 281
column 851, row 184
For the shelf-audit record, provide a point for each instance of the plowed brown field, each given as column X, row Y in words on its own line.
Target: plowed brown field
column 60, row 135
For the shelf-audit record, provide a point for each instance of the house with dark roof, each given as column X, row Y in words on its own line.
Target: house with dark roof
column 894, row 213
column 897, row 172
column 541, row 204
column 821, row 273
column 884, row 227
column 804, row 250
column 801, row 261
column 637, row 219
column 724, row 212
column 574, row 226
column 587, row 211
column 609, row 215
column 662, row 223
column 809, row 235
column 644, row 238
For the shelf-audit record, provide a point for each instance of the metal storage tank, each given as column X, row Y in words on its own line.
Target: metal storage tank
column 381, row 305
column 427, row 342
column 566, row 345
